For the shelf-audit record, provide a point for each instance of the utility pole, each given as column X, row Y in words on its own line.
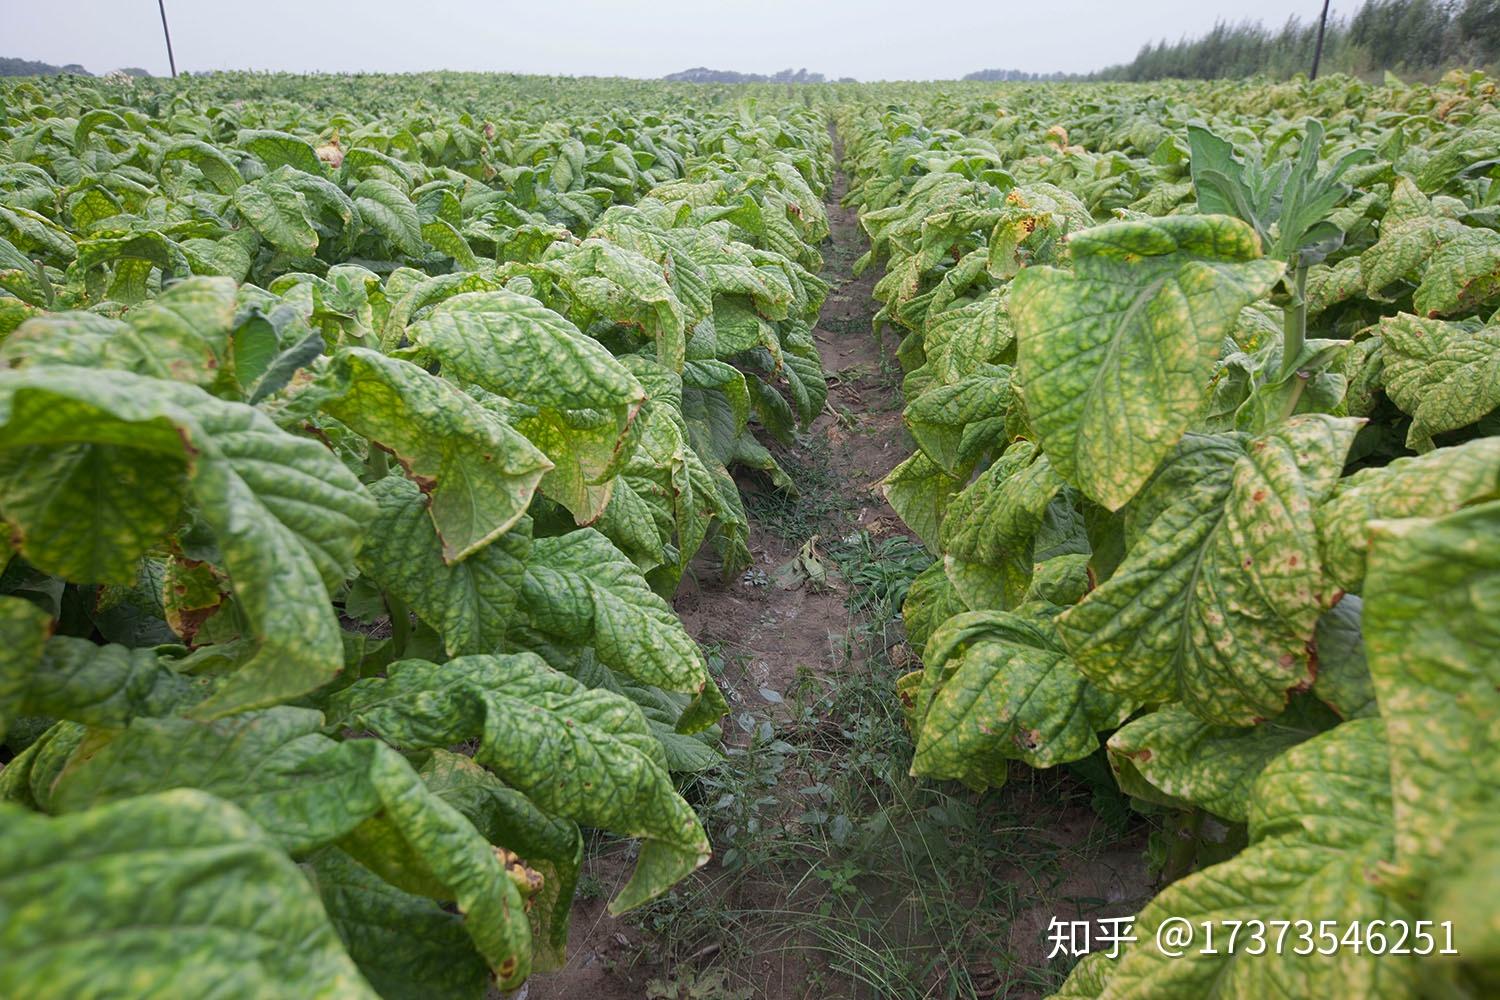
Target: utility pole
column 172, row 61
column 1317, row 51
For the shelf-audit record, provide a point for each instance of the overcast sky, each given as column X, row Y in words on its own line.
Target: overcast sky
column 866, row 39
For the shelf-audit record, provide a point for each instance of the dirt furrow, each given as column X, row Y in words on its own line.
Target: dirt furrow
column 766, row 636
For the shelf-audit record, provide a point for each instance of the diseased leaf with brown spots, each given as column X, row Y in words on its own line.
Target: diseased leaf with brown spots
column 1319, row 820
column 286, row 514
column 587, row 755
column 478, row 472
column 1001, row 687
column 1446, row 375
column 1216, row 600
column 1114, row 355
column 1173, row 757
column 1433, row 642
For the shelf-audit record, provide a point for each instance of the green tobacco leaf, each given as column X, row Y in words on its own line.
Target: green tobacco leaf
column 657, row 499
column 23, row 277
column 35, row 234
column 1088, row 978
column 502, row 814
column 309, row 791
column 961, row 339
column 1219, row 179
column 920, row 491
column 278, row 149
column 577, row 753
column 1217, row 598
column 946, row 419
column 279, row 213
column 217, row 168
column 133, row 255
column 1319, row 830
column 74, row 679
column 1463, row 891
column 553, row 847
column 28, row 779
column 1445, row 375
column 173, row 894
column 1114, row 354
column 470, row 604
column 182, row 334
column 1344, row 682
column 1328, row 286
column 408, row 947
column 287, row 515
column 930, row 601
column 587, row 449
column 24, row 628
column 280, row 368
column 89, row 513
column 1456, row 267
column 477, row 472
column 1000, row 687
column 1174, row 757
column 1288, row 203
column 517, row 348
column 991, row 524
column 1462, row 273
column 444, row 237
column 1433, row 642
column 580, row 588
column 619, row 284
column 387, row 210
column 1061, row 580
column 1435, row 483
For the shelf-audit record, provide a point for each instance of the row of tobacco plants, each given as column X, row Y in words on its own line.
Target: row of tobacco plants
column 351, row 446
column 1203, row 387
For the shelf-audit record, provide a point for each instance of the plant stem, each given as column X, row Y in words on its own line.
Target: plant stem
column 400, row 623
column 1294, row 397
column 1184, row 850
column 1294, row 325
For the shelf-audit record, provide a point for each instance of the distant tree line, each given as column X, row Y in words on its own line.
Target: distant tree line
column 29, row 67
column 702, row 74
column 1397, row 35
column 1018, row 75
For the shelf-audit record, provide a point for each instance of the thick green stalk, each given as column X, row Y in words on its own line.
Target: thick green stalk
column 1294, row 326
column 1183, row 851
column 400, row 624
column 1294, row 335
column 378, row 462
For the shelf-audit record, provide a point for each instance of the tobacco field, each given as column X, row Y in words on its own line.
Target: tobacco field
column 368, row 443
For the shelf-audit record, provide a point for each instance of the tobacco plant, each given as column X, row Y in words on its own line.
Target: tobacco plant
column 1216, row 491
column 347, row 465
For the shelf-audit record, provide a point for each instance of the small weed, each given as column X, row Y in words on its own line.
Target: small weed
column 711, row 984
column 823, row 500
column 590, row 887
column 841, row 325
column 878, row 573
column 853, row 373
